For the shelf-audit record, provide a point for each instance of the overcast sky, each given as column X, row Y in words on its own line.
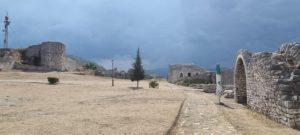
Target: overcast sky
column 202, row 32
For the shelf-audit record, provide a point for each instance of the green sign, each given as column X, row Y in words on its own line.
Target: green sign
column 218, row 69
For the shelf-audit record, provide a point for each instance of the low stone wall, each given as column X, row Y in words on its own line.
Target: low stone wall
column 25, row 67
column 209, row 88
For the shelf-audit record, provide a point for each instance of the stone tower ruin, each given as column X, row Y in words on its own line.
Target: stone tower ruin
column 269, row 83
column 47, row 56
column 50, row 54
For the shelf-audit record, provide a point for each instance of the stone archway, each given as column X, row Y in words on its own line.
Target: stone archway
column 240, row 82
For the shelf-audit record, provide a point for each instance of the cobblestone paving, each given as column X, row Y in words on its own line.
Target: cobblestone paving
column 200, row 116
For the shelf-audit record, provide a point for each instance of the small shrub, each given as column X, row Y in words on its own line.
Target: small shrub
column 153, row 84
column 53, row 80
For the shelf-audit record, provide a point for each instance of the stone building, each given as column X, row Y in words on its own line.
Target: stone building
column 47, row 56
column 180, row 72
column 269, row 83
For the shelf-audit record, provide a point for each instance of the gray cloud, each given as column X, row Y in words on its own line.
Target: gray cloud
column 204, row 32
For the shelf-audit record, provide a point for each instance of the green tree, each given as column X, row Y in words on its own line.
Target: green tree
column 137, row 72
column 90, row 66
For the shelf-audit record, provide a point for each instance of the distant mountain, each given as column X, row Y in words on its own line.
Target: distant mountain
column 163, row 72
column 83, row 61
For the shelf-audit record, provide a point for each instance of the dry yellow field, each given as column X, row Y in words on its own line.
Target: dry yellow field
column 83, row 104
column 89, row 105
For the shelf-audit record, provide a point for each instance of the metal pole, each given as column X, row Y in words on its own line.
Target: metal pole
column 112, row 73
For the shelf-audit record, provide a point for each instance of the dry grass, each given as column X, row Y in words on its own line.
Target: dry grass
column 252, row 123
column 83, row 104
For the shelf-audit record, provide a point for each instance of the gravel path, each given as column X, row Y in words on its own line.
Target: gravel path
column 200, row 115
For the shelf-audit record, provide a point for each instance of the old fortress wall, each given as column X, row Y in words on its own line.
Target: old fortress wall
column 269, row 83
column 47, row 56
column 179, row 72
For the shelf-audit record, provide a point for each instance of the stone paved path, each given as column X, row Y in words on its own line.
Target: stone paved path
column 200, row 116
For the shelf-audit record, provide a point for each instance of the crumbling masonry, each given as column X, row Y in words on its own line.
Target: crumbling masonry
column 47, row 56
column 269, row 83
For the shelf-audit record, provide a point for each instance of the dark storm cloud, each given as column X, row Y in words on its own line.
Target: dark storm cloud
column 203, row 32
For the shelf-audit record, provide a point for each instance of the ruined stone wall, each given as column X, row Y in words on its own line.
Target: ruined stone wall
column 52, row 55
column 71, row 64
column 8, row 57
column 227, row 76
column 180, row 72
column 32, row 55
column 43, row 57
column 47, row 54
column 26, row 67
column 269, row 83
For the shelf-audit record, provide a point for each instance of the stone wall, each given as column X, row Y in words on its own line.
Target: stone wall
column 269, row 83
column 43, row 57
column 180, row 72
column 8, row 57
column 52, row 55
column 71, row 64
column 49, row 54
column 227, row 76
column 26, row 67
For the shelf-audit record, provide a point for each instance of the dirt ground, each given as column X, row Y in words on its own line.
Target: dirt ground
column 200, row 115
column 84, row 104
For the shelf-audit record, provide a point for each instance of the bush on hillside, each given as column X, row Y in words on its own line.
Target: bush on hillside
column 90, row 66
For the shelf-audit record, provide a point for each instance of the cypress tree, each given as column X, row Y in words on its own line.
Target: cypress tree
column 137, row 72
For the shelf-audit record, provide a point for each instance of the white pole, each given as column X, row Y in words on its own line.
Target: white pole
column 219, row 89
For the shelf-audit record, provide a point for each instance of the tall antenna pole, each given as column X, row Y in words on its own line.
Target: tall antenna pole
column 6, row 23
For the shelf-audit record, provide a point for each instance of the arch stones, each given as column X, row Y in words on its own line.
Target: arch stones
column 269, row 83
